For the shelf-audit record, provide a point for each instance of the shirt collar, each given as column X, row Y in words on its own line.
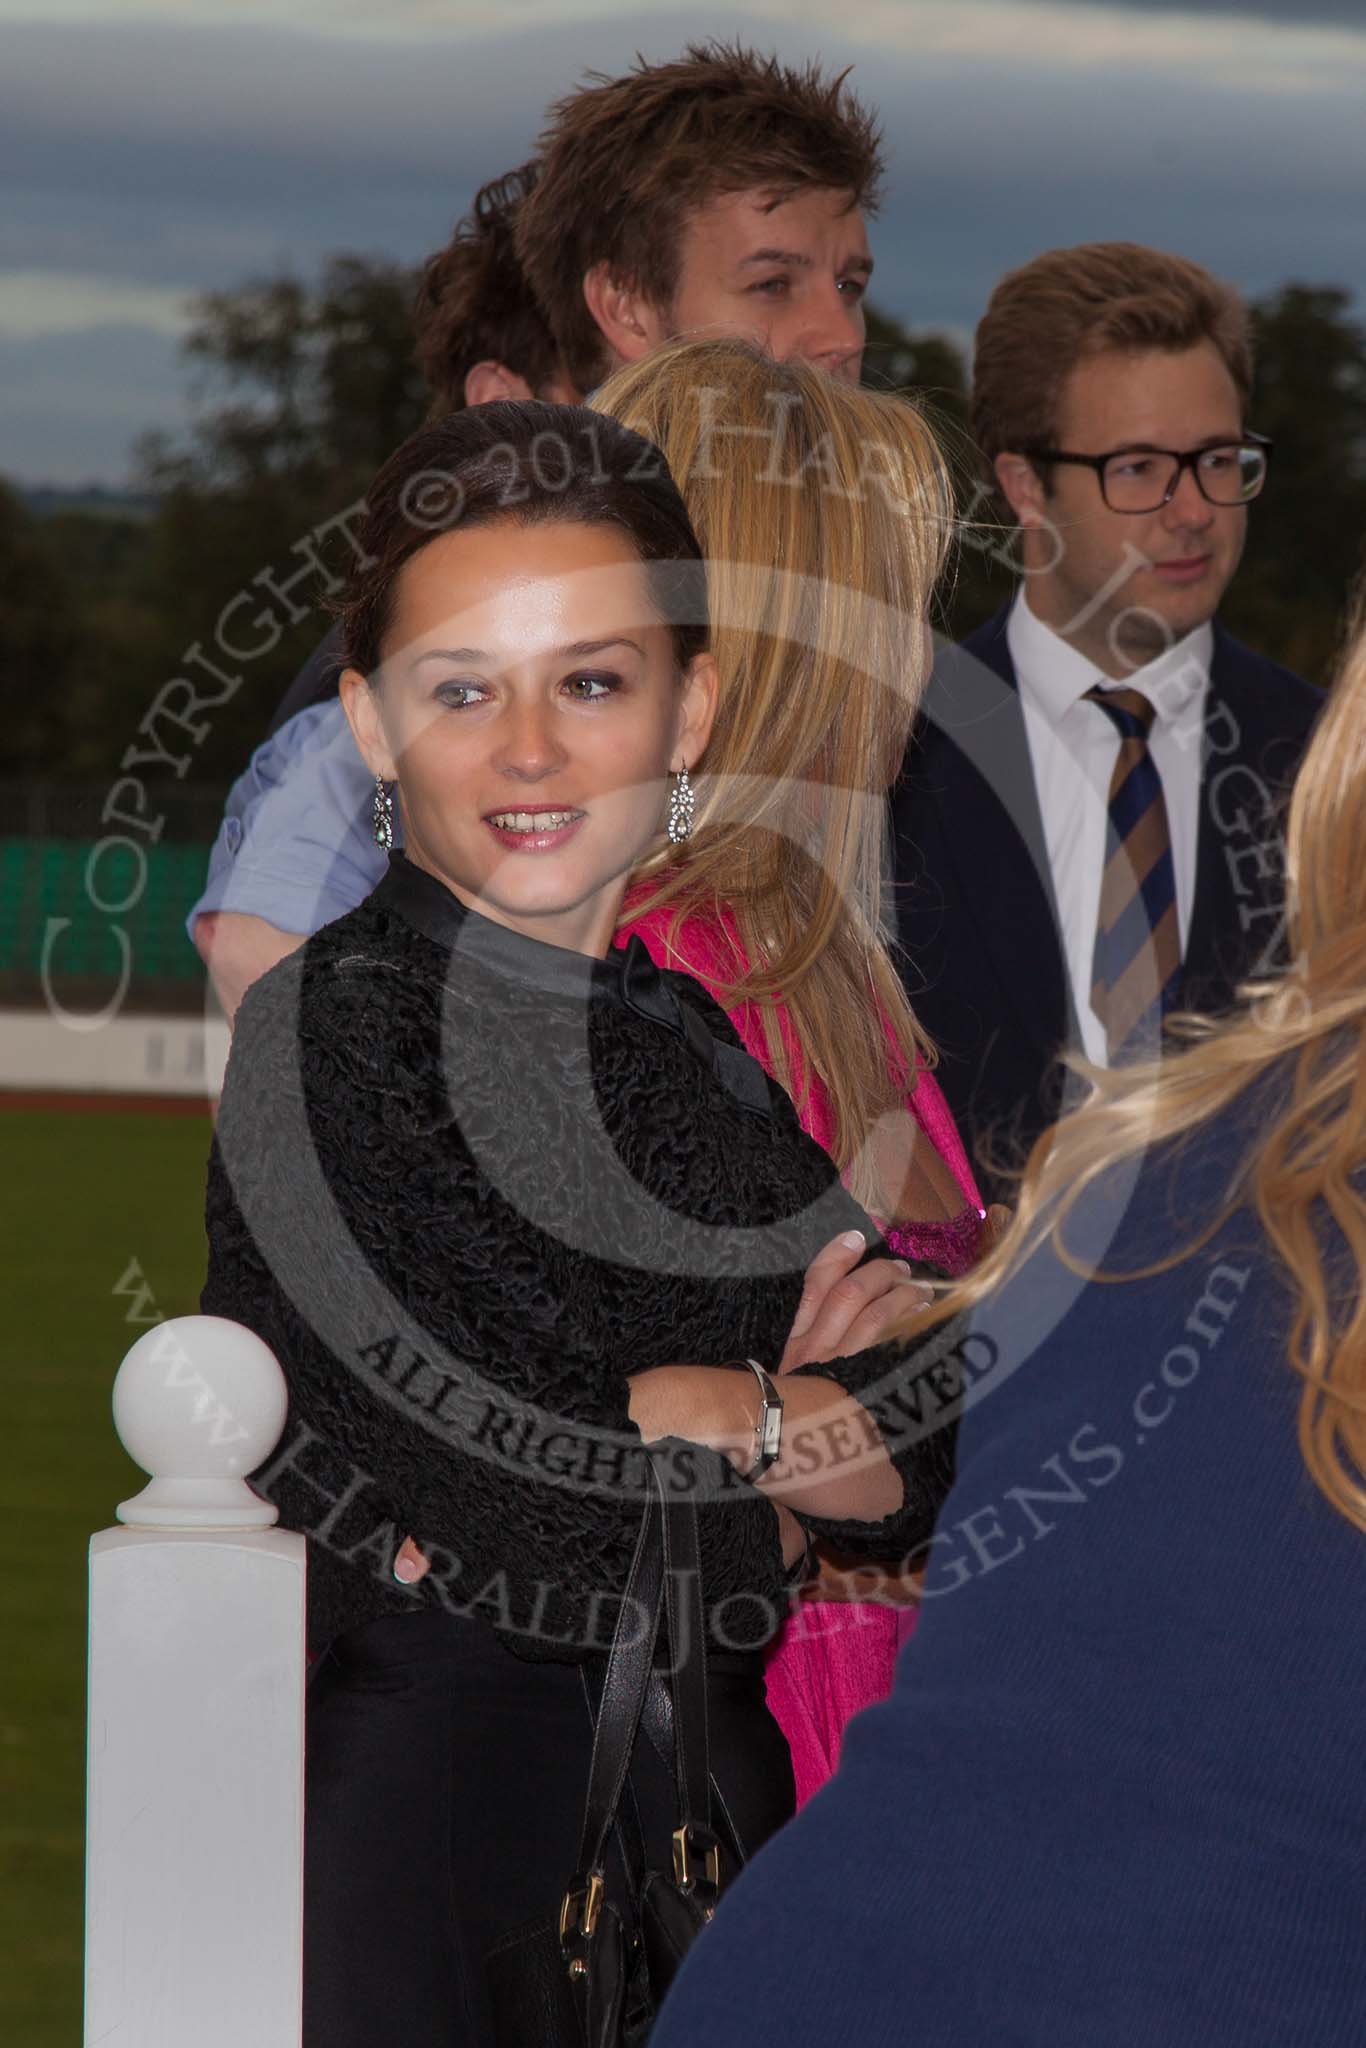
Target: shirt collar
column 1053, row 675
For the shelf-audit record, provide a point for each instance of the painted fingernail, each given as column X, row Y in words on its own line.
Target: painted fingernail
column 405, row 1569
column 854, row 1241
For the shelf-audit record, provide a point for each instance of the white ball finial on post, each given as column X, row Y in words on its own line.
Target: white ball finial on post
column 195, row 1750
column 199, row 1403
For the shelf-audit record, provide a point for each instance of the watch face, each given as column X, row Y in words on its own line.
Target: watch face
column 768, row 1426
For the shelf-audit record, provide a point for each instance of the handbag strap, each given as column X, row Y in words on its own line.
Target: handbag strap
column 657, row 1725
column 693, row 1837
column 697, row 1850
column 623, row 1687
column 665, row 1579
column 625, row 1680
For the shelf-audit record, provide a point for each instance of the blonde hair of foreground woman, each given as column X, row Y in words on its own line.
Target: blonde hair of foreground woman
column 824, row 512
column 1301, row 1170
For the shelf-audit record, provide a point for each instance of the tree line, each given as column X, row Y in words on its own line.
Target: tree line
column 302, row 390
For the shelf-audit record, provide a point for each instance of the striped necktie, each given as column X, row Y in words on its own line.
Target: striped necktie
column 1138, row 939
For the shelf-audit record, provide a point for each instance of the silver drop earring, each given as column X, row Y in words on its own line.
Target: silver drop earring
column 682, row 804
column 384, row 815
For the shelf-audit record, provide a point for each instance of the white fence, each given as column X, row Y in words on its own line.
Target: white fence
column 123, row 1055
column 194, row 1830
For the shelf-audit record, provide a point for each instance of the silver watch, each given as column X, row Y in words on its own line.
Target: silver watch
column 768, row 1430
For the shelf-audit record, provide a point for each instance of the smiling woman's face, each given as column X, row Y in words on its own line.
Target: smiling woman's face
column 530, row 709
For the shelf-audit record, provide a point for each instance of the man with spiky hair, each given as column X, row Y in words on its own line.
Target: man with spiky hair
column 723, row 194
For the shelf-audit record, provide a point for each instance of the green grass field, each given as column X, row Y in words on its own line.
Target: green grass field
column 86, row 1193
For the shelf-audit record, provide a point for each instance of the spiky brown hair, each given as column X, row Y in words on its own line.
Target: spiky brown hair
column 625, row 162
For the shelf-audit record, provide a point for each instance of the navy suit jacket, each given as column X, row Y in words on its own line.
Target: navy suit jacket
column 981, row 954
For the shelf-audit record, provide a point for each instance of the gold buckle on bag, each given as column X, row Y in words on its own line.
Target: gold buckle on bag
column 684, row 1874
column 579, row 1910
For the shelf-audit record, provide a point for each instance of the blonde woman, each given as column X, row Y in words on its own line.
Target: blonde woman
column 1128, row 1732
column 824, row 513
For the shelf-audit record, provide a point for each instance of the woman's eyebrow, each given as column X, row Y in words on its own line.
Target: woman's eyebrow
column 580, row 649
column 576, row 650
column 472, row 654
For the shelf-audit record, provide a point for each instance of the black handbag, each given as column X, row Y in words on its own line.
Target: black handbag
column 595, row 1976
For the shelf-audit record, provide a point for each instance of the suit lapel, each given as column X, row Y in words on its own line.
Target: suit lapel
column 992, row 828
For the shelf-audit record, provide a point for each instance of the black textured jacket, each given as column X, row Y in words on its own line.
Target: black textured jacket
column 463, row 1184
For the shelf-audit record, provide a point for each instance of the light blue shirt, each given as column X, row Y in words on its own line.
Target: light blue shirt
column 297, row 844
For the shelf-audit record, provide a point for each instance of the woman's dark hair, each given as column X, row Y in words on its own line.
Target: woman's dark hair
column 526, row 462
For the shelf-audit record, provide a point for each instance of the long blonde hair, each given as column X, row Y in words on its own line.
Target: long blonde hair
column 1310, row 1023
column 824, row 512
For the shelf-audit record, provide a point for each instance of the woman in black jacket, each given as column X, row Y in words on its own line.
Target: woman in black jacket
column 508, row 1203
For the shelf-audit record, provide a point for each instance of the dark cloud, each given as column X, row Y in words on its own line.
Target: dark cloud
column 1294, row 13
column 194, row 157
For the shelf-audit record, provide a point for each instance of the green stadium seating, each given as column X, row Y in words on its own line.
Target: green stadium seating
column 46, row 878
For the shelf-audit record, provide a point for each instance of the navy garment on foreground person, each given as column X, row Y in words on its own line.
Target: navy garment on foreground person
column 976, row 906
column 1118, row 1795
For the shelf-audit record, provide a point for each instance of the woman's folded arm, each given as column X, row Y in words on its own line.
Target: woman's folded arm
column 866, row 1453
column 890, row 1409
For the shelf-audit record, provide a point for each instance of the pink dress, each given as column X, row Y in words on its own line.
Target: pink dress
column 833, row 1657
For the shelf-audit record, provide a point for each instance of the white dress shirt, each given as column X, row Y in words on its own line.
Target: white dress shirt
column 1073, row 747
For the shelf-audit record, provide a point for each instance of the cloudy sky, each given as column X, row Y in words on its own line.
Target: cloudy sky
column 151, row 150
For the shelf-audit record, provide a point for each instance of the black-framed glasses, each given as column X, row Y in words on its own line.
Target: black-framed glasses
column 1145, row 479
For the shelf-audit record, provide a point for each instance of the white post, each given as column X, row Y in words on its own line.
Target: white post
column 194, row 1811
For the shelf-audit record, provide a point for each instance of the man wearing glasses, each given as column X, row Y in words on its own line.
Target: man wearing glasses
column 1087, row 834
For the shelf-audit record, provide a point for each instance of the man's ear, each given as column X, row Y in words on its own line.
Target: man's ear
column 1022, row 489
column 489, row 380
column 359, row 703
column 697, row 712
column 629, row 324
